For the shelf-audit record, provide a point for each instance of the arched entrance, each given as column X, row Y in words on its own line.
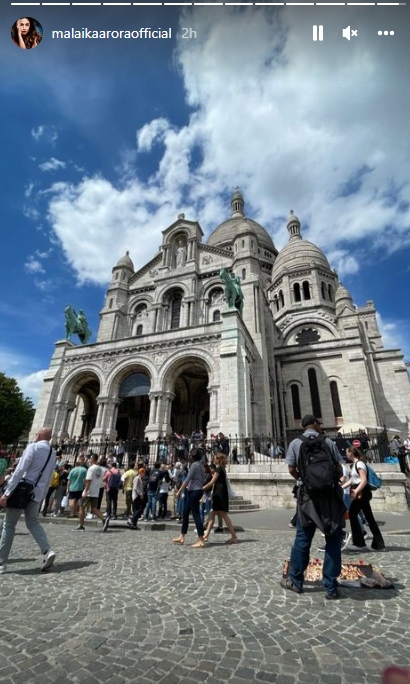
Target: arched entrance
column 133, row 412
column 82, row 405
column 190, row 407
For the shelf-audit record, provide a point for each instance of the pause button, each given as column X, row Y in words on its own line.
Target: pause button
column 317, row 32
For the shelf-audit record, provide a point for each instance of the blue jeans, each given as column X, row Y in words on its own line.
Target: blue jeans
column 299, row 557
column 192, row 505
column 151, row 505
column 32, row 524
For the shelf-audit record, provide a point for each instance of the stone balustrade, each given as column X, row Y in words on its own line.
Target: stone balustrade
column 270, row 485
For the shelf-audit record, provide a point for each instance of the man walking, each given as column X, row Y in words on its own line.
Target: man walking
column 38, row 459
column 315, row 462
column 93, row 483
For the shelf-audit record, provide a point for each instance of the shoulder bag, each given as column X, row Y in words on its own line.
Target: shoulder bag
column 21, row 496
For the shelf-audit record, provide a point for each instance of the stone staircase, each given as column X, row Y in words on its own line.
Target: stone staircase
column 240, row 505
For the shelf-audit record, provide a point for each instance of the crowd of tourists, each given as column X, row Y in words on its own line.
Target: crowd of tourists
column 96, row 482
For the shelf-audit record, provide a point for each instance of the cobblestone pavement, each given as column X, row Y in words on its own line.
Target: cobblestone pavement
column 129, row 606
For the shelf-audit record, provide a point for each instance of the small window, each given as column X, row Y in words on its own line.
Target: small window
column 296, row 292
column 323, row 288
column 117, row 275
column 243, row 243
column 337, row 409
column 276, row 303
column 297, row 414
column 281, row 298
column 110, row 303
column 306, row 289
column 244, row 274
column 139, row 330
column 314, row 393
column 330, row 292
column 175, row 312
column 216, row 316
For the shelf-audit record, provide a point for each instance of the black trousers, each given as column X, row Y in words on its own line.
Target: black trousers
column 363, row 504
column 112, row 501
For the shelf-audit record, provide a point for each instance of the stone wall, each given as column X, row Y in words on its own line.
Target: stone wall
column 270, row 486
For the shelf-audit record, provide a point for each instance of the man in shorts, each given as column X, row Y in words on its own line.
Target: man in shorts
column 76, row 479
column 93, row 483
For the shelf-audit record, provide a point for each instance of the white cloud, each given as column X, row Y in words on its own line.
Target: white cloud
column 344, row 262
column 152, row 132
column 31, row 384
column 38, row 132
column 291, row 125
column 19, row 367
column 28, row 190
column 395, row 334
column 52, row 165
column 31, row 213
column 33, row 265
column 45, row 133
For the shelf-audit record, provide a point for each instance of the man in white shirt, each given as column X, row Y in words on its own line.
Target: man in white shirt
column 37, row 463
column 93, row 482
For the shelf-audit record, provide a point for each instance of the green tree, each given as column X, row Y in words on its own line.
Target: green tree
column 16, row 411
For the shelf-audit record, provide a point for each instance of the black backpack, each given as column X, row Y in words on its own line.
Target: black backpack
column 318, row 469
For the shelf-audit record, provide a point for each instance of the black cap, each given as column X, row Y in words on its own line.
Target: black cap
column 309, row 420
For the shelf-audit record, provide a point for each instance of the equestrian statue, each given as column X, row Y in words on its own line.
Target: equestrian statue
column 76, row 324
column 233, row 291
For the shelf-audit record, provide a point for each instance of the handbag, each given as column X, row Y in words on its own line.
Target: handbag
column 231, row 491
column 22, row 494
column 64, row 501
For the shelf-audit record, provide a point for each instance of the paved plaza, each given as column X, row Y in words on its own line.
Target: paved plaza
column 129, row 606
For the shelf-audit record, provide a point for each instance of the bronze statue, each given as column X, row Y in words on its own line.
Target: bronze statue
column 233, row 291
column 76, row 324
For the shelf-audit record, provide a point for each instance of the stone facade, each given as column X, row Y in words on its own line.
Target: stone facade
column 171, row 356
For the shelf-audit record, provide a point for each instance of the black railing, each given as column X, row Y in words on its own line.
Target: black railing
column 240, row 449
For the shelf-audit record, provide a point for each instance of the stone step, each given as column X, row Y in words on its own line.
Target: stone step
column 246, row 506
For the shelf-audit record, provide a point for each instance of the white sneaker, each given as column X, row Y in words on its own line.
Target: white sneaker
column 89, row 516
column 48, row 559
column 3, row 568
column 347, row 540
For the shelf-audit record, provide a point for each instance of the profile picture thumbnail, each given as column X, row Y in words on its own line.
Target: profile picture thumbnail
column 27, row 33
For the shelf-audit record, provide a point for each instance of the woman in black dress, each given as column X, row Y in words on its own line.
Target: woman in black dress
column 220, row 498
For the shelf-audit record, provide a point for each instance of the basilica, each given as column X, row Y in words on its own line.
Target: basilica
column 172, row 354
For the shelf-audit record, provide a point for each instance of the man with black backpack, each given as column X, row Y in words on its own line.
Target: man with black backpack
column 315, row 462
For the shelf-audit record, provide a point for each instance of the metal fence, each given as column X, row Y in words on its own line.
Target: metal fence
column 240, row 449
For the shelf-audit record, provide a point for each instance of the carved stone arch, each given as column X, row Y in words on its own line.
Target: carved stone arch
column 130, row 388
column 186, row 380
column 173, row 236
column 127, row 367
column 296, row 325
column 75, row 377
column 294, row 381
column 318, row 368
column 182, row 359
column 77, row 403
column 164, row 292
column 135, row 300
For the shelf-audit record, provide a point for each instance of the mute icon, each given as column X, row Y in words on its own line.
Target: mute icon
column 347, row 32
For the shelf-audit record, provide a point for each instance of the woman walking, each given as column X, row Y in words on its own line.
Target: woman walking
column 361, row 496
column 220, row 498
column 193, row 486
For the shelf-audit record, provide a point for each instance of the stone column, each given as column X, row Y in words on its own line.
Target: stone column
column 213, row 426
column 60, row 426
column 165, row 409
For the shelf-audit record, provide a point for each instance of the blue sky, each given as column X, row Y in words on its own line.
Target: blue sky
column 104, row 142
